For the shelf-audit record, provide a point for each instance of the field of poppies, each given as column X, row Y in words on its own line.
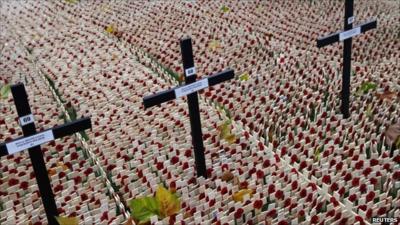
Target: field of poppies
column 278, row 151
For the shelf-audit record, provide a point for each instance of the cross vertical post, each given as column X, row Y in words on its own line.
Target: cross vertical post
column 36, row 154
column 348, row 25
column 193, row 104
column 346, row 36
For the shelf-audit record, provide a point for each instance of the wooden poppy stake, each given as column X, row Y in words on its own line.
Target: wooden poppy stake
column 32, row 141
column 190, row 90
column 346, row 36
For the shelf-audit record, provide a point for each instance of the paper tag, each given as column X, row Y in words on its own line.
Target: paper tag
column 190, row 71
column 350, row 33
column 350, row 20
column 26, row 120
column 29, row 142
column 191, row 88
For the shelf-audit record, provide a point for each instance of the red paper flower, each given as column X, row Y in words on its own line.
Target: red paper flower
column 258, row 204
column 272, row 213
column 381, row 211
column 353, row 197
column 373, row 162
column 238, row 214
column 326, row 179
column 367, row 171
column 260, row 174
column 362, row 207
column 283, row 222
column 271, row 189
column 13, row 182
column 174, row 160
column 363, row 188
column 24, row 185
column 339, row 166
column 370, row 196
column 334, row 187
column 330, row 213
column 334, row 201
column 355, row 182
column 303, row 193
column 373, row 180
column 359, row 165
column 360, row 220
column 279, row 194
column 314, row 219
column 266, row 163
column 295, row 185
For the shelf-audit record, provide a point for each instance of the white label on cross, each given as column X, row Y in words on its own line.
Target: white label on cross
column 191, row 88
column 26, row 120
column 190, row 71
column 350, row 33
column 29, row 142
column 350, row 20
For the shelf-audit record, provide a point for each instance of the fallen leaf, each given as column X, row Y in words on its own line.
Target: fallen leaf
column 169, row 203
column 226, row 132
column 225, row 9
column 365, row 87
column 238, row 196
column 72, row 1
column 317, row 154
column 67, row 220
column 387, row 95
column 392, row 134
column 5, row 91
column 214, row 45
column 244, row 77
column 369, row 112
column 144, row 208
column 227, row 176
column 110, row 29
column 129, row 221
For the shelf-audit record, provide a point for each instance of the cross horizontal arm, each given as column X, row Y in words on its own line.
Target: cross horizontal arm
column 45, row 136
column 342, row 35
column 168, row 95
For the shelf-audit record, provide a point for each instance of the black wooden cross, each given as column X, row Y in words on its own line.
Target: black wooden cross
column 346, row 36
column 32, row 141
column 190, row 90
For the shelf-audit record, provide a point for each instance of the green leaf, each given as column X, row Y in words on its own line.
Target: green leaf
column 366, row 87
column 317, row 154
column 72, row 1
column 144, row 208
column 5, row 91
column 225, row 9
column 397, row 143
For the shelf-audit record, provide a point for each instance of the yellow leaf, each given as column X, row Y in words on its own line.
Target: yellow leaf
column 317, row 154
column 71, row 1
column 51, row 171
column 168, row 202
column 67, row 220
column 244, row 77
column 64, row 167
column 214, row 45
column 226, row 132
column 110, row 29
column 238, row 196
